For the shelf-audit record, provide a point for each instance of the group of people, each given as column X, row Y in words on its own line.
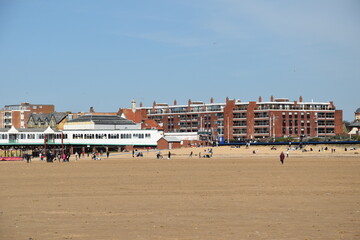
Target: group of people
column 51, row 157
column 160, row 156
column 136, row 153
column 208, row 153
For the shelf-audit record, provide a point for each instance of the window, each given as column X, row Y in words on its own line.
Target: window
column 3, row 136
column 31, row 136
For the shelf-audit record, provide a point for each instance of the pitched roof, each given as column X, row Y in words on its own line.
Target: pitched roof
column 355, row 124
column 46, row 117
column 129, row 114
column 103, row 120
column 59, row 116
column 40, row 116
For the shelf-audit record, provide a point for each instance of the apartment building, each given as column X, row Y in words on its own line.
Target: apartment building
column 18, row 115
column 239, row 120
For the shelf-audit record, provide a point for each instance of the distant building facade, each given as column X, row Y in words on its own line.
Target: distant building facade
column 357, row 115
column 355, row 126
column 18, row 115
column 236, row 120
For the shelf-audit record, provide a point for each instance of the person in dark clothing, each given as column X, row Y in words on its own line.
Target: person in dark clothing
column 28, row 158
column 282, row 157
column 68, row 157
column 169, row 155
column 48, row 157
column 107, row 154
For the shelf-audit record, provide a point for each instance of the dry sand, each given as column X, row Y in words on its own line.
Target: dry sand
column 234, row 195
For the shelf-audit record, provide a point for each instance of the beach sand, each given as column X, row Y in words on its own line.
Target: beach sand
column 234, row 195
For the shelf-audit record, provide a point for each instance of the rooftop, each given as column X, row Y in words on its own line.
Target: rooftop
column 103, row 120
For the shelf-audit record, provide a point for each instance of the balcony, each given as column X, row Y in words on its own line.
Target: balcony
column 239, row 135
column 239, row 117
column 239, row 126
column 265, row 134
column 262, row 125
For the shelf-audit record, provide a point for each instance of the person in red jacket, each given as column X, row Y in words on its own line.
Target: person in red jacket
column 282, row 157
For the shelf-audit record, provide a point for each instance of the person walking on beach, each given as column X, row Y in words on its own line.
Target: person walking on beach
column 28, row 158
column 282, row 157
column 169, row 155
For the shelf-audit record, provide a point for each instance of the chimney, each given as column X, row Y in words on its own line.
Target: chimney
column 133, row 105
column 175, row 102
column 300, row 99
column 271, row 98
column 154, row 104
column 211, row 100
column 189, row 102
column 141, row 105
column 92, row 109
column 260, row 99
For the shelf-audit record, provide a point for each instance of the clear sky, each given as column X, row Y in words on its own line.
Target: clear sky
column 82, row 53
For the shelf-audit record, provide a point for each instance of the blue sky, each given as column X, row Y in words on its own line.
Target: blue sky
column 82, row 53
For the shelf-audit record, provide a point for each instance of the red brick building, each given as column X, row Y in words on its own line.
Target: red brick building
column 18, row 115
column 246, row 120
column 168, row 143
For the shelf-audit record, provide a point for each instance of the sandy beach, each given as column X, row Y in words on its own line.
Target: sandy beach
column 233, row 195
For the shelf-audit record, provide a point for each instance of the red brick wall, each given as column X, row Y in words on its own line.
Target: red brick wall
column 42, row 108
column 339, row 122
column 162, row 144
column 228, row 119
column 15, row 119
